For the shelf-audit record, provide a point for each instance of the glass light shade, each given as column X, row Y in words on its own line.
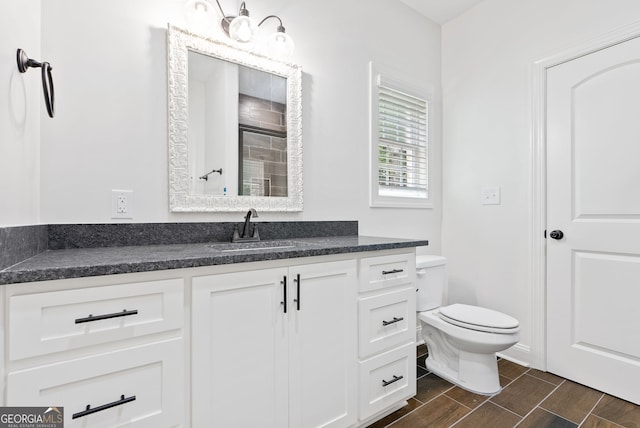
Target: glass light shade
column 243, row 29
column 280, row 45
column 200, row 17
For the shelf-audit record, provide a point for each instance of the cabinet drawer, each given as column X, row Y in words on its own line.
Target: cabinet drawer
column 153, row 374
column 386, row 321
column 387, row 379
column 387, row 271
column 44, row 323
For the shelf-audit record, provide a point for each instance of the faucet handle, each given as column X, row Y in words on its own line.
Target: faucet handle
column 256, row 235
column 236, row 235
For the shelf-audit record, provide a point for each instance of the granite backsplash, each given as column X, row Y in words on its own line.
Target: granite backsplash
column 20, row 243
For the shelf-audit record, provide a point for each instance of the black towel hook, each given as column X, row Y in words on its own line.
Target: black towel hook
column 24, row 62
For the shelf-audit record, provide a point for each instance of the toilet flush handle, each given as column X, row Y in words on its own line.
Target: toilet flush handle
column 420, row 272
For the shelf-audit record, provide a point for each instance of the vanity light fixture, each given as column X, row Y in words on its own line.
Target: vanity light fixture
column 243, row 29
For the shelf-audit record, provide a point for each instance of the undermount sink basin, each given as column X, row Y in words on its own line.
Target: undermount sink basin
column 228, row 247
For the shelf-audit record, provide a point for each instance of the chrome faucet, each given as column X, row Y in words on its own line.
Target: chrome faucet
column 246, row 237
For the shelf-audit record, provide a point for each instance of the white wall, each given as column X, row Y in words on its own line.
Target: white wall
column 20, row 105
column 486, row 67
column 110, row 130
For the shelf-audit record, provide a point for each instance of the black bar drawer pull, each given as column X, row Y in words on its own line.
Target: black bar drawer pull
column 389, row 272
column 393, row 321
column 284, row 292
column 389, row 382
column 297, row 299
column 89, row 410
column 91, row 318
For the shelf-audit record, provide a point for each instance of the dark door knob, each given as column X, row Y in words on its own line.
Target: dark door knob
column 556, row 234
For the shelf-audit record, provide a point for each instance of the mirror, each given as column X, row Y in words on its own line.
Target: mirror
column 235, row 128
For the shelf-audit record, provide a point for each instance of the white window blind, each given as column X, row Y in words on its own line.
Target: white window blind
column 402, row 143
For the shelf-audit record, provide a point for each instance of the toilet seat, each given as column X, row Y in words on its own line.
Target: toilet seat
column 477, row 318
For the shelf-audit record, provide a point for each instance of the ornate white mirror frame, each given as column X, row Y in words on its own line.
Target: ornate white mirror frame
column 179, row 43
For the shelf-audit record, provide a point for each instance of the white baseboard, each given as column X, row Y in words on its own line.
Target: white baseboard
column 519, row 354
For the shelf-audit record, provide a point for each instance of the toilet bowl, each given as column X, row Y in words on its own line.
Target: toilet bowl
column 462, row 340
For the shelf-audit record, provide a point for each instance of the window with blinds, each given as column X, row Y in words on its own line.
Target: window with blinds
column 400, row 144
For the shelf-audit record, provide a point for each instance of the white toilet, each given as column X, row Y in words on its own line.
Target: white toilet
column 462, row 340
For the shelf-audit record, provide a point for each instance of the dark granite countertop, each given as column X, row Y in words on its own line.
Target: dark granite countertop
column 83, row 262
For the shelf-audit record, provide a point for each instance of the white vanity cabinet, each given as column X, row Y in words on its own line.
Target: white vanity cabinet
column 324, row 341
column 386, row 339
column 111, row 354
column 283, row 340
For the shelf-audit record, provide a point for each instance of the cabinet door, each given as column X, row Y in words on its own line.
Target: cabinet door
column 323, row 345
column 239, row 350
column 391, row 270
column 133, row 387
column 44, row 323
column 387, row 379
column 386, row 320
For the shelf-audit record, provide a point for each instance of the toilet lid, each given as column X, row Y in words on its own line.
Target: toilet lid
column 478, row 318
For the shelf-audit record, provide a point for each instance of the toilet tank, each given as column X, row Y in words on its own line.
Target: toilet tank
column 430, row 282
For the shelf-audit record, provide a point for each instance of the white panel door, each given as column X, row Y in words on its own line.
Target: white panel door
column 593, row 198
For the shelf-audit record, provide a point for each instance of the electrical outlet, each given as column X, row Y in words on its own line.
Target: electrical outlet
column 490, row 196
column 122, row 204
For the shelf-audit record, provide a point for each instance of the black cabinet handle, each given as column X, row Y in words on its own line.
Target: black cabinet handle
column 297, row 299
column 284, row 292
column 389, row 382
column 388, row 272
column 393, row 321
column 91, row 318
column 90, row 411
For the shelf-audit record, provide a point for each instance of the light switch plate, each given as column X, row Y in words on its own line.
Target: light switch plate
column 490, row 196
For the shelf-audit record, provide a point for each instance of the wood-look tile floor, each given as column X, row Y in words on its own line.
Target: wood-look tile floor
column 529, row 399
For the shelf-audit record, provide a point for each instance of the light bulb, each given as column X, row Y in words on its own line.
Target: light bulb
column 242, row 28
column 280, row 45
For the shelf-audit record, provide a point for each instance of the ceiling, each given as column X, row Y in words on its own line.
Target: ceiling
column 441, row 11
